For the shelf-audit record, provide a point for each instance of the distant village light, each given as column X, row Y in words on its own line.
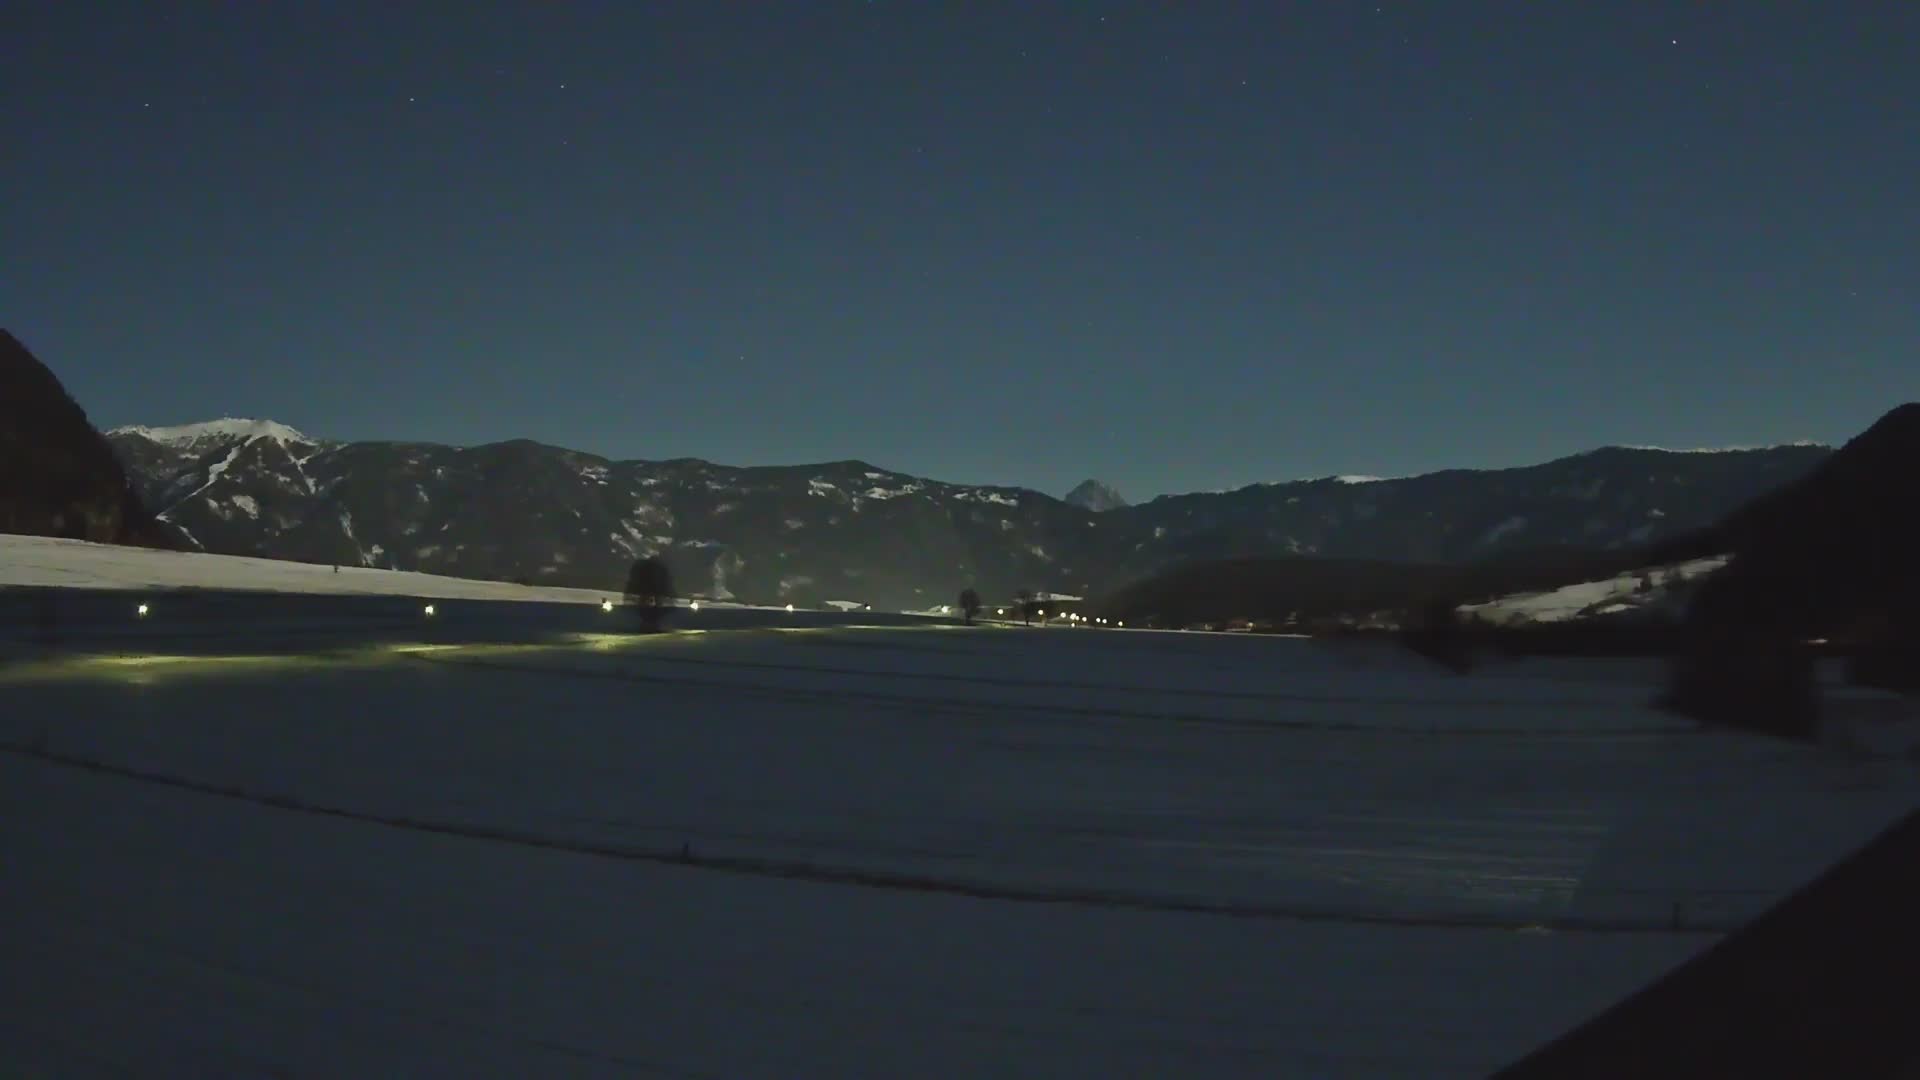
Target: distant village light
column 606, row 605
column 141, row 611
column 428, row 609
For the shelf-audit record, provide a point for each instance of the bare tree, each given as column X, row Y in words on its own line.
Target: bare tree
column 969, row 605
column 650, row 592
column 1025, row 597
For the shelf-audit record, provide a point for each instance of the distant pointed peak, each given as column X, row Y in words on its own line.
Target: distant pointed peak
column 1096, row 496
column 227, row 427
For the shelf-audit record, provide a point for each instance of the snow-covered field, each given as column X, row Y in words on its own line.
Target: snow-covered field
column 1655, row 588
column 76, row 564
column 845, row 851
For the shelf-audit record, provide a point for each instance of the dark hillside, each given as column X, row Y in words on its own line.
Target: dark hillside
column 1832, row 555
column 59, row 476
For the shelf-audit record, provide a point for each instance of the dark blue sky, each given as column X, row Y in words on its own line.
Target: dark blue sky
column 1176, row 246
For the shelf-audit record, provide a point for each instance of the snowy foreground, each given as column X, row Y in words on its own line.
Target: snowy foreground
column 850, row 851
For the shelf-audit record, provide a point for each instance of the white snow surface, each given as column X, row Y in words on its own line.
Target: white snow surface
column 1505, row 528
column 1614, row 594
column 1345, row 478
column 1725, row 449
column 46, row 561
column 225, row 427
column 258, row 889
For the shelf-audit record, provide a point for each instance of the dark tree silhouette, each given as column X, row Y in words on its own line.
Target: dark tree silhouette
column 969, row 605
column 1740, row 661
column 1025, row 597
column 650, row 592
column 1438, row 633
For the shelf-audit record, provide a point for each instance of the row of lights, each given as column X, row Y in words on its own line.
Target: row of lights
column 694, row 605
column 1070, row 617
column 141, row 611
column 1099, row 620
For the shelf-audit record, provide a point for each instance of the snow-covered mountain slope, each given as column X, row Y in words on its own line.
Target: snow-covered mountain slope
column 226, row 428
column 47, row 562
column 525, row 511
column 852, row 531
column 1654, row 591
column 1097, row 496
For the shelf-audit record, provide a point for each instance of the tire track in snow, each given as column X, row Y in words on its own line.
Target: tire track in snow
column 818, row 873
column 1103, row 712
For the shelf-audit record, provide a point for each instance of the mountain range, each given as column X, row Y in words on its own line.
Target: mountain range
column 851, row 531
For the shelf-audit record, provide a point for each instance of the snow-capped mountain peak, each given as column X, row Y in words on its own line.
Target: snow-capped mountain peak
column 227, row 427
column 1096, row 496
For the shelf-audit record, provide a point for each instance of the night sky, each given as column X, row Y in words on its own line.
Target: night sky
column 1175, row 246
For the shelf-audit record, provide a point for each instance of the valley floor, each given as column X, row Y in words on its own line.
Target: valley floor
column 845, row 851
